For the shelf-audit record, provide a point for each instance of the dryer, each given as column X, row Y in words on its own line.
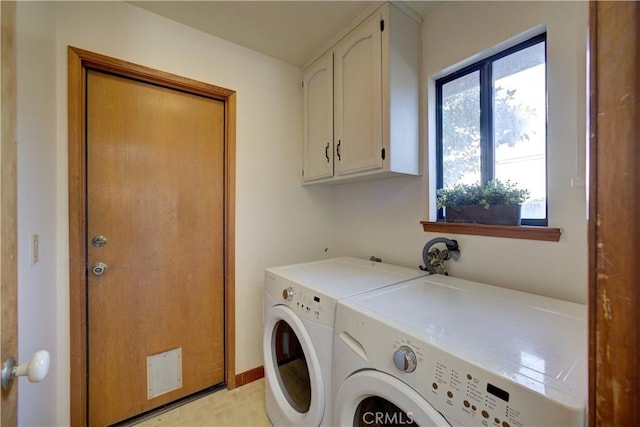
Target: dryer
column 299, row 314
column 439, row 351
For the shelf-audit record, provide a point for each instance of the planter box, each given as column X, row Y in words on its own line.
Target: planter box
column 477, row 214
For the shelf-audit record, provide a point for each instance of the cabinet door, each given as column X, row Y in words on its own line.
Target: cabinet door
column 317, row 139
column 358, row 99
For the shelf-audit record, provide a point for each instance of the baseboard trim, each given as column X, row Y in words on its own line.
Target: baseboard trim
column 249, row 376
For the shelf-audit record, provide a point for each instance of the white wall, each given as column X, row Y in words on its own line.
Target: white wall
column 277, row 221
column 37, row 288
column 382, row 218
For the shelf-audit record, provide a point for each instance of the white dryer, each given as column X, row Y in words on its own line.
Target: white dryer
column 439, row 351
column 299, row 314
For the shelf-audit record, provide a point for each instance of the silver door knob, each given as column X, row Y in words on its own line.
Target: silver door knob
column 99, row 268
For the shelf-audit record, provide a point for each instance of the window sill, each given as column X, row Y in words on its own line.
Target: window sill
column 510, row 231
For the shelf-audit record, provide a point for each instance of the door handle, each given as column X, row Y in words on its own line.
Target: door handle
column 326, row 152
column 338, row 150
column 36, row 369
column 99, row 268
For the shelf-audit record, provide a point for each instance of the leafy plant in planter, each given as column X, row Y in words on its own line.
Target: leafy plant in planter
column 495, row 202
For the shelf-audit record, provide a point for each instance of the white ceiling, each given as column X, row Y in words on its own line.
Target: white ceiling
column 293, row 31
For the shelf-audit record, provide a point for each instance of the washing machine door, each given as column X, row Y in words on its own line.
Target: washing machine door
column 373, row 398
column 295, row 394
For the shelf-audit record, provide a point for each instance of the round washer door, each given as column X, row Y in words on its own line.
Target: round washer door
column 291, row 368
column 374, row 398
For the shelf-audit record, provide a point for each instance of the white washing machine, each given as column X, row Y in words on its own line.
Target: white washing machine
column 299, row 314
column 439, row 351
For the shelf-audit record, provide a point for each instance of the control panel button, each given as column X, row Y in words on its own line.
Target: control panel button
column 287, row 294
column 450, row 395
column 405, row 359
column 485, row 414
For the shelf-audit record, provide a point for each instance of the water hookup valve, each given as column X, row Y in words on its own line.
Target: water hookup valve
column 434, row 257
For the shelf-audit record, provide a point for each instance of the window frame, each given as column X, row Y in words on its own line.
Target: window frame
column 487, row 147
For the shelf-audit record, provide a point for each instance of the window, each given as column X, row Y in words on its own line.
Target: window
column 492, row 124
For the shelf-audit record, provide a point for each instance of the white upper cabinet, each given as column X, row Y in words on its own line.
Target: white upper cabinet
column 358, row 99
column 317, row 126
column 374, row 101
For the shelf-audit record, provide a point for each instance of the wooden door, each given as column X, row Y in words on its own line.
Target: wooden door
column 155, row 191
column 8, row 208
column 358, row 99
column 317, row 116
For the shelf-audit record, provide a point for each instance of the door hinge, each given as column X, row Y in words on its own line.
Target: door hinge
column 303, row 173
column 384, row 154
column 382, row 25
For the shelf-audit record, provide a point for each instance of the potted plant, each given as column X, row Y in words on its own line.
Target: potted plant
column 495, row 202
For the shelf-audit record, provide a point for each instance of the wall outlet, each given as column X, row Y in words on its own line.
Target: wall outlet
column 35, row 249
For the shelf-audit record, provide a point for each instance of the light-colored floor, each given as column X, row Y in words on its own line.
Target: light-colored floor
column 243, row 406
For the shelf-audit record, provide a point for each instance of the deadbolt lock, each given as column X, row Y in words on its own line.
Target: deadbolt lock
column 99, row 268
column 99, row 241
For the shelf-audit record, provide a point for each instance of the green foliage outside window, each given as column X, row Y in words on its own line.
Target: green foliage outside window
column 461, row 142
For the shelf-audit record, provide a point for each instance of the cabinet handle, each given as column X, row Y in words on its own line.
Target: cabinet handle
column 338, row 149
column 326, row 152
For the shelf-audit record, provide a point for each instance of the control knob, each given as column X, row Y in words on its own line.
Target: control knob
column 287, row 294
column 405, row 359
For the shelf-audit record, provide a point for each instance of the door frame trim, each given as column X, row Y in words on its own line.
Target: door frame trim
column 78, row 62
column 614, row 208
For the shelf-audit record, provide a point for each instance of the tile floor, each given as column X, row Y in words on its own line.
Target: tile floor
column 241, row 407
